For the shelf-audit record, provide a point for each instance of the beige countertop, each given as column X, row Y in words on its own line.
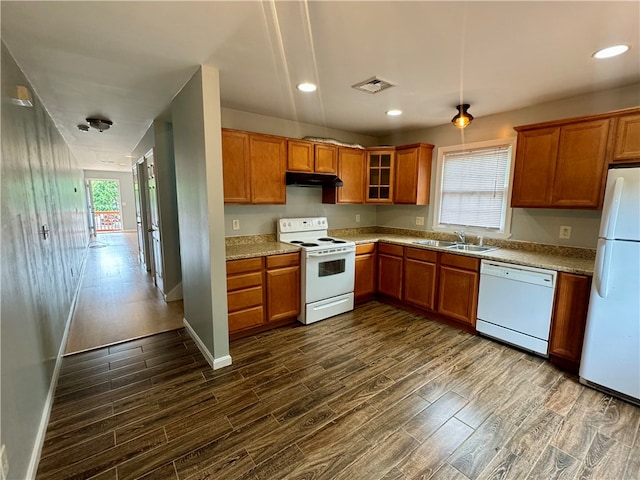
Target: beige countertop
column 536, row 255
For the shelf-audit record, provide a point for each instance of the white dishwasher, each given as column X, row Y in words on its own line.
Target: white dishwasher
column 515, row 304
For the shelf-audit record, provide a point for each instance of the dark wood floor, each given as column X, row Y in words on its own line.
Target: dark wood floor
column 377, row 393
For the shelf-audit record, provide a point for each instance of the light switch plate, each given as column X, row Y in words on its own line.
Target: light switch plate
column 419, row 220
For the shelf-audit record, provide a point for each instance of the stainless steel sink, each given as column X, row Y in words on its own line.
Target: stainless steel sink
column 465, row 247
column 435, row 243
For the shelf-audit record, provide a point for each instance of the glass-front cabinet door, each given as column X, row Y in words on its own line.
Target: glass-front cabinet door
column 380, row 175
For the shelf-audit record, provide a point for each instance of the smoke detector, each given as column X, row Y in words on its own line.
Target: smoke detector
column 373, row 85
column 100, row 124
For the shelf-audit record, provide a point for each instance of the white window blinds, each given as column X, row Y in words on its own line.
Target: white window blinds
column 474, row 187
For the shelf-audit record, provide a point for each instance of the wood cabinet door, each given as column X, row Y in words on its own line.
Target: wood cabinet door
column 420, row 285
column 569, row 319
column 581, row 165
column 534, row 167
column 458, row 294
column 326, row 158
column 412, row 182
column 627, row 139
column 268, row 165
column 365, row 281
column 236, row 170
column 283, row 293
column 390, row 275
column 351, row 163
column 299, row 156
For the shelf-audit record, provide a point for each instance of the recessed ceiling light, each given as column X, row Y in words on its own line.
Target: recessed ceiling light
column 611, row 51
column 307, row 87
column 394, row 112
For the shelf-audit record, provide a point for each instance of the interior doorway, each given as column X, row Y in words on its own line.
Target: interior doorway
column 105, row 205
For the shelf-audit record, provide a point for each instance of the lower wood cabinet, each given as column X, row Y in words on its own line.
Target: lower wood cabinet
column 390, row 261
column 459, row 279
column 365, row 281
column 420, row 270
column 283, row 286
column 569, row 320
column 261, row 291
column 245, row 292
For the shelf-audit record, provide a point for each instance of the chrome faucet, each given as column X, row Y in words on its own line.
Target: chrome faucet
column 461, row 236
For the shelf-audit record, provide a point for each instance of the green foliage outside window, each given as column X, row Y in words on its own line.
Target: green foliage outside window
column 105, row 195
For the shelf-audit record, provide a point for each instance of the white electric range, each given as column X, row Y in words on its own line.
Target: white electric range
column 327, row 265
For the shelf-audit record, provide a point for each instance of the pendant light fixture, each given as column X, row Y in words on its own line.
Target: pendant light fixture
column 463, row 117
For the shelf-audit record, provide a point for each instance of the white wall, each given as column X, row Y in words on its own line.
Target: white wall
column 41, row 183
column 198, row 162
column 535, row 225
column 127, row 200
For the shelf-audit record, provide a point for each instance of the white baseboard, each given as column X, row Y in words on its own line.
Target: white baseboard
column 32, row 468
column 174, row 294
column 214, row 362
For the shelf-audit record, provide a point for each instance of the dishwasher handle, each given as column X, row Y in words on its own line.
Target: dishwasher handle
column 535, row 276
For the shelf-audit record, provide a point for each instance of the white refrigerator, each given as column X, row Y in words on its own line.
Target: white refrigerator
column 611, row 349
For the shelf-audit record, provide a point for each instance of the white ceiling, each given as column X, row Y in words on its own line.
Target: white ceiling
column 127, row 60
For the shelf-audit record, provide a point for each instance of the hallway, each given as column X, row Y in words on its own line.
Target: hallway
column 118, row 300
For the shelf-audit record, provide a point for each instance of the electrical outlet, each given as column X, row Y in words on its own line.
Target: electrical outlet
column 357, row 218
column 565, row 232
column 236, row 224
column 419, row 220
column 4, row 463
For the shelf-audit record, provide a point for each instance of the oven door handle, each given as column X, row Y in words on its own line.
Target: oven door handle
column 329, row 254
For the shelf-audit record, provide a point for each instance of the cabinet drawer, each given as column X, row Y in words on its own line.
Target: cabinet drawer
column 244, row 265
column 459, row 261
column 284, row 260
column 246, row 280
column 386, row 249
column 246, row 318
column 419, row 254
column 242, row 299
column 365, row 248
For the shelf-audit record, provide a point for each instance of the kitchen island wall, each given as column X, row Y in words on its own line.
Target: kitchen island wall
column 528, row 224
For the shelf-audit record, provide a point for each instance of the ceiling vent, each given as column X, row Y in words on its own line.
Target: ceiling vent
column 373, row 85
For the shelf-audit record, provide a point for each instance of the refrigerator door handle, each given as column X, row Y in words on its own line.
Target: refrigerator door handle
column 603, row 265
column 611, row 208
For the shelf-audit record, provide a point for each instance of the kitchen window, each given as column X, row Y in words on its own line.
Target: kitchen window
column 473, row 188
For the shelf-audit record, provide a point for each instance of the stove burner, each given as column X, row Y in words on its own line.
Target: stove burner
column 339, row 241
column 326, row 239
column 297, row 241
column 309, row 244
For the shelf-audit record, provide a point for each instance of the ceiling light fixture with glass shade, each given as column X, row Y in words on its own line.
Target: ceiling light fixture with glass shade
column 307, row 87
column 463, row 117
column 612, row 51
column 394, row 112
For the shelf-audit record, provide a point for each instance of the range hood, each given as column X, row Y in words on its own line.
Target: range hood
column 313, row 179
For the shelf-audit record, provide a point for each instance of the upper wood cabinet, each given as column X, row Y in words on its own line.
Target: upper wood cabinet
column 380, row 173
column 351, row 170
column 254, row 167
column 412, row 180
column 235, row 167
column 561, row 164
column 626, row 146
column 304, row 156
column 268, row 166
column 569, row 320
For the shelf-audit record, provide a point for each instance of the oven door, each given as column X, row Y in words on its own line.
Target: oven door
column 328, row 274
